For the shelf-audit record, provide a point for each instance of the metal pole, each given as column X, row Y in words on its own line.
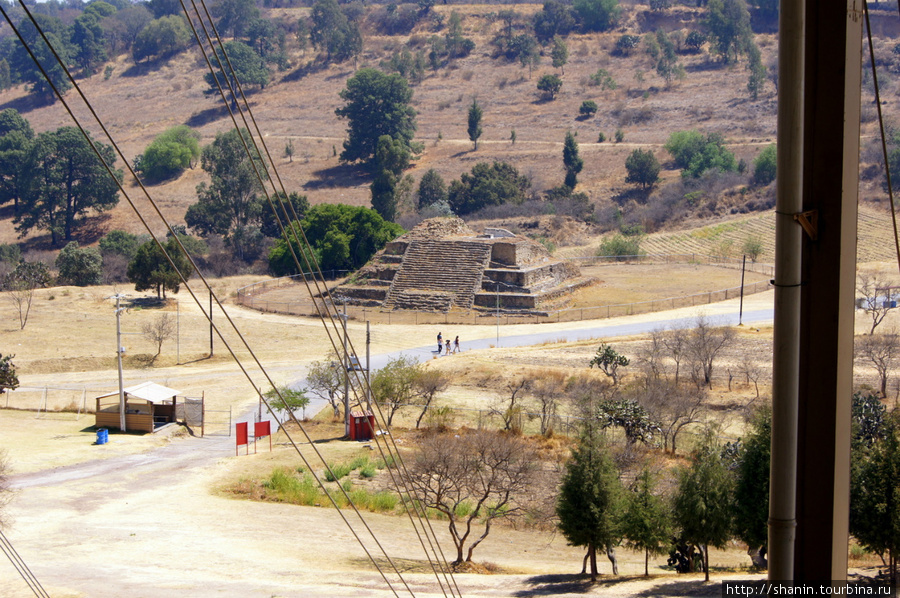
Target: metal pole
column 786, row 335
column 177, row 332
column 119, row 350
column 741, row 310
column 346, row 368
column 498, row 314
column 210, row 323
column 368, row 366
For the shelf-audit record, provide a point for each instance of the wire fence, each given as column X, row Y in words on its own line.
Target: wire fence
column 253, row 296
column 52, row 399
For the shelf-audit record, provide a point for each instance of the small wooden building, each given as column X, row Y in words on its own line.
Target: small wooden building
column 147, row 406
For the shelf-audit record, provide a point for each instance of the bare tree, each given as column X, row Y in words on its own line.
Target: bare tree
column 877, row 298
column 882, row 351
column 161, row 329
column 609, row 361
column 21, row 283
column 427, row 383
column 547, row 390
column 325, row 380
column 473, row 479
column 672, row 407
column 704, row 343
column 675, row 342
column 652, row 353
column 751, row 371
column 509, row 407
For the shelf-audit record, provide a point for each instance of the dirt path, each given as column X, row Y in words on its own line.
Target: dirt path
column 152, row 524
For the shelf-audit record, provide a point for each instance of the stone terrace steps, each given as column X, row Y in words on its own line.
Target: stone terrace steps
column 453, row 268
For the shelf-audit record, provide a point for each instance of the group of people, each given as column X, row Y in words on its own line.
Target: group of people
column 446, row 348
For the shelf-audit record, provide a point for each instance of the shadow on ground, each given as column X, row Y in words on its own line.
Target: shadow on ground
column 553, row 585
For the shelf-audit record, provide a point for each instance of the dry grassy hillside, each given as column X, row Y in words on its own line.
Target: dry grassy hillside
column 138, row 102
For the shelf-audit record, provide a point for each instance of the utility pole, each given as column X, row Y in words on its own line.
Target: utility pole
column 119, row 350
column 741, row 310
column 210, row 323
column 346, row 366
column 368, row 369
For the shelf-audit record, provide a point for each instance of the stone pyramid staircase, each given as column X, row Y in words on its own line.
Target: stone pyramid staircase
column 438, row 274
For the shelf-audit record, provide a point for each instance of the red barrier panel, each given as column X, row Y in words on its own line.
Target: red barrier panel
column 261, row 429
column 241, row 434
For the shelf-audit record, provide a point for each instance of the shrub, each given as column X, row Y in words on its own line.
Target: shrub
column 487, row 185
column 603, row 80
column 764, row 166
column 626, row 44
column 169, row 154
column 620, row 135
column 337, row 471
column 588, row 108
column 79, row 266
column 601, row 137
column 643, row 168
column 620, row 246
column 549, row 85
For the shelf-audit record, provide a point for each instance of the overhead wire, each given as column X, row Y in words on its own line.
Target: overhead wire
column 199, row 303
column 175, row 236
column 236, row 88
column 887, row 165
column 21, row 567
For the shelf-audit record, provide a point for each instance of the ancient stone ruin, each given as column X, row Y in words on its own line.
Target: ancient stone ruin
column 443, row 264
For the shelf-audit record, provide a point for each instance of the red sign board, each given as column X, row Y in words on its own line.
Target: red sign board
column 241, row 433
column 260, row 430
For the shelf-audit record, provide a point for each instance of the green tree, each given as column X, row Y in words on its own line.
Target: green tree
column 751, row 489
column 67, row 181
column 391, row 157
column 667, row 62
column 646, row 523
column 620, row 246
column 79, row 266
column 487, row 185
column 88, row 41
column 596, row 15
column 555, row 18
column 169, row 154
column 16, row 140
column 550, row 85
column 162, row 38
column 684, row 145
column 757, row 70
column 608, row 360
column 333, row 32
column 875, row 497
column 235, row 16
column 474, row 128
column 590, row 500
column 230, row 203
column 588, row 108
column 571, row 160
column 287, row 399
column 703, row 505
column 456, row 44
column 559, row 54
column 287, row 209
column 119, row 242
column 393, row 386
column 150, row 269
column 23, row 65
column 695, row 153
column 162, row 8
column 376, row 104
column 249, row 69
column 765, row 166
column 728, row 24
column 526, row 49
column 432, row 189
column 8, row 377
column 342, row 238
column 643, row 168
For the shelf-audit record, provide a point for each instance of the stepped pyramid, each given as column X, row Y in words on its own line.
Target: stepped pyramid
column 443, row 264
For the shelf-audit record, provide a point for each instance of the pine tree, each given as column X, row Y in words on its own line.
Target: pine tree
column 590, row 499
column 571, row 160
column 646, row 524
column 474, row 123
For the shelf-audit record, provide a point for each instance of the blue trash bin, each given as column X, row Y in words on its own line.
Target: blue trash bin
column 102, row 436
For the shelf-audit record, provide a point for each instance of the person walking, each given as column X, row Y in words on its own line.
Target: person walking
column 440, row 343
column 447, row 352
column 456, row 345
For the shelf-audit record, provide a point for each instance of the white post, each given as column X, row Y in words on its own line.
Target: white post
column 119, row 350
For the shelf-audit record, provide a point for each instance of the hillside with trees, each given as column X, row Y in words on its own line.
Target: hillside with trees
column 621, row 115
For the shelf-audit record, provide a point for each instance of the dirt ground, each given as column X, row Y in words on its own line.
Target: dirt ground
column 149, row 515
